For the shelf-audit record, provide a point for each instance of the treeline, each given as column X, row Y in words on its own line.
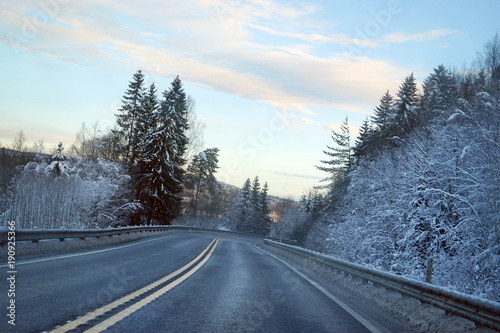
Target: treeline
column 422, row 181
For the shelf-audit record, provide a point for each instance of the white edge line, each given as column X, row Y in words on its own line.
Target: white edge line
column 18, row 263
column 344, row 306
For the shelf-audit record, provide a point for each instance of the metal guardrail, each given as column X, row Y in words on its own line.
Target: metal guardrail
column 36, row 235
column 481, row 311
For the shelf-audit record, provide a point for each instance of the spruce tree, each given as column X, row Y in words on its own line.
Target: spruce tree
column 363, row 142
column 440, row 92
column 265, row 221
column 176, row 106
column 240, row 212
column 155, row 184
column 256, row 192
column 338, row 166
column 202, row 170
column 58, row 169
column 150, row 105
column 383, row 114
column 405, row 112
column 341, row 157
column 129, row 116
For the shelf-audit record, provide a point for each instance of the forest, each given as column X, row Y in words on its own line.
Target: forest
column 420, row 183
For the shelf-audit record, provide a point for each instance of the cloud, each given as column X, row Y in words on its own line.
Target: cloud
column 313, row 38
column 215, row 49
column 400, row 37
column 292, row 175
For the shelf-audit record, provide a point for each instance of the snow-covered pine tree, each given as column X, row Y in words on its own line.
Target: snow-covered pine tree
column 202, row 170
column 265, row 221
column 250, row 213
column 440, row 93
column 340, row 164
column 155, row 182
column 150, row 105
column 130, row 114
column 304, row 204
column 364, row 140
column 58, row 169
column 256, row 192
column 175, row 104
column 383, row 115
column 241, row 210
column 405, row 112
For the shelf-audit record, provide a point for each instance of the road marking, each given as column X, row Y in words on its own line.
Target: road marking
column 87, row 253
column 119, row 316
column 114, row 319
column 344, row 306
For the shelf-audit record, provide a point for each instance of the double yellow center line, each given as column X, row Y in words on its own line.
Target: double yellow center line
column 142, row 302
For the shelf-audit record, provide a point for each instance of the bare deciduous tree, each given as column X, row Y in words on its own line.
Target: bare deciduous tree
column 19, row 141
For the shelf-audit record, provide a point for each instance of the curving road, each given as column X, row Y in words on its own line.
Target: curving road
column 187, row 282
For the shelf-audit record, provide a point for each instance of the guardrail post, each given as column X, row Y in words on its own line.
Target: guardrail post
column 428, row 274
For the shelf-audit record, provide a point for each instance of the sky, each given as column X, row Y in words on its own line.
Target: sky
column 271, row 79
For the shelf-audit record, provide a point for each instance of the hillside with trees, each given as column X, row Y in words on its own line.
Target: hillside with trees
column 422, row 182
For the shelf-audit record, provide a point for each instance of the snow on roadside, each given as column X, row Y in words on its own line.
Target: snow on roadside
column 420, row 316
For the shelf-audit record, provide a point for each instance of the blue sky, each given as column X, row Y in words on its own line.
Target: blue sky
column 270, row 78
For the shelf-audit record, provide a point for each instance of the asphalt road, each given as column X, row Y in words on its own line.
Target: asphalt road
column 189, row 282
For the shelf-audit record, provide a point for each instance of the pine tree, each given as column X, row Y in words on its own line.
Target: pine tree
column 264, row 227
column 241, row 210
column 202, row 170
column 341, row 158
column 256, row 192
column 58, row 169
column 362, row 143
column 339, row 166
column 383, row 114
column 150, row 105
column 176, row 106
column 405, row 113
column 440, row 91
column 130, row 113
column 156, row 185
column 264, row 201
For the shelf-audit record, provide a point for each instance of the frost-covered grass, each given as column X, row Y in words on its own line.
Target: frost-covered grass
column 73, row 194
